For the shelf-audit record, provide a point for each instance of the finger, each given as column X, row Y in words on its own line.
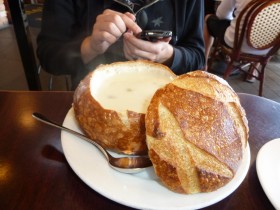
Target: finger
column 110, row 20
column 111, row 23
column 132, row 49
column 130, row 15
column 139, row 44
column 126, row 50
column 129, row 53
column 128, row 21
column 109, row 11
column 131, row 24
column 105, row 36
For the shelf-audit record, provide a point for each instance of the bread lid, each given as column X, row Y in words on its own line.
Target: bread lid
column 197, row 132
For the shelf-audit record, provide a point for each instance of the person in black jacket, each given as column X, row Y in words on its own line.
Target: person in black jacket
column 78, row 35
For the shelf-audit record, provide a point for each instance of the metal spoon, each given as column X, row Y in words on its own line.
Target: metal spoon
column 133, row 164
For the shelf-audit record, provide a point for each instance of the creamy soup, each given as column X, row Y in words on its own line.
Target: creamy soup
column 129, row 90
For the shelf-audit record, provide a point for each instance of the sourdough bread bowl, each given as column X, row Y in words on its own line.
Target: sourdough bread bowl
column 110, row 103
column 192, row 126
column 197, row 132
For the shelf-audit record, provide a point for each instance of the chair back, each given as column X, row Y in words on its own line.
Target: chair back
column 259, row 23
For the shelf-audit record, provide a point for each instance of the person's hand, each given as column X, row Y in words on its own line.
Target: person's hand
column 136, row 49
column 108, row 28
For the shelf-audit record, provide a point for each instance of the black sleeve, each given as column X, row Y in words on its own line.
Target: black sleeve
column 189, row 49
column 62, row 32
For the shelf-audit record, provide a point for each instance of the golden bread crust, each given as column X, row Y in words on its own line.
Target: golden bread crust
column 196, row 133
column 106, row 127
column 119, row 132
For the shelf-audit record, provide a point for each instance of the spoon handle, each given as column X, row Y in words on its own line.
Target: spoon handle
column 44, row 119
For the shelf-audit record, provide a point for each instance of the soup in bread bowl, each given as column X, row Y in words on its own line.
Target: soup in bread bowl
column 111, row 102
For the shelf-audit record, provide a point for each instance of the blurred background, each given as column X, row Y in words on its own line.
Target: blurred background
column 13, row 75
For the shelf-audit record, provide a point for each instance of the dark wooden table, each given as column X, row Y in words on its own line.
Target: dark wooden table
column 34, row 173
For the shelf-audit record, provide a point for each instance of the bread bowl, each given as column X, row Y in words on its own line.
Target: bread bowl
column 111, row 102
column 197, row 132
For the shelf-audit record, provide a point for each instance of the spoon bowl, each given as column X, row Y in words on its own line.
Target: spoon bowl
column 126, row 164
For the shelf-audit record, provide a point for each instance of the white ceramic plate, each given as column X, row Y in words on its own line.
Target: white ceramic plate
column 142, row 190
column 268, row 170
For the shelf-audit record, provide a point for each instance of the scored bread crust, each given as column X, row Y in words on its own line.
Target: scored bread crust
column 118, row 132
column 197, row 132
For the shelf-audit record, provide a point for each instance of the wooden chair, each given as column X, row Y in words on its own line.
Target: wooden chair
column 261, row 31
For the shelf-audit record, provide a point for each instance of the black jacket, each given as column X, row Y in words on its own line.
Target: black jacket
column 67, row 22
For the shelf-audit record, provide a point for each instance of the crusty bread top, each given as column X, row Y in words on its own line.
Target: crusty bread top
column 196, row 133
